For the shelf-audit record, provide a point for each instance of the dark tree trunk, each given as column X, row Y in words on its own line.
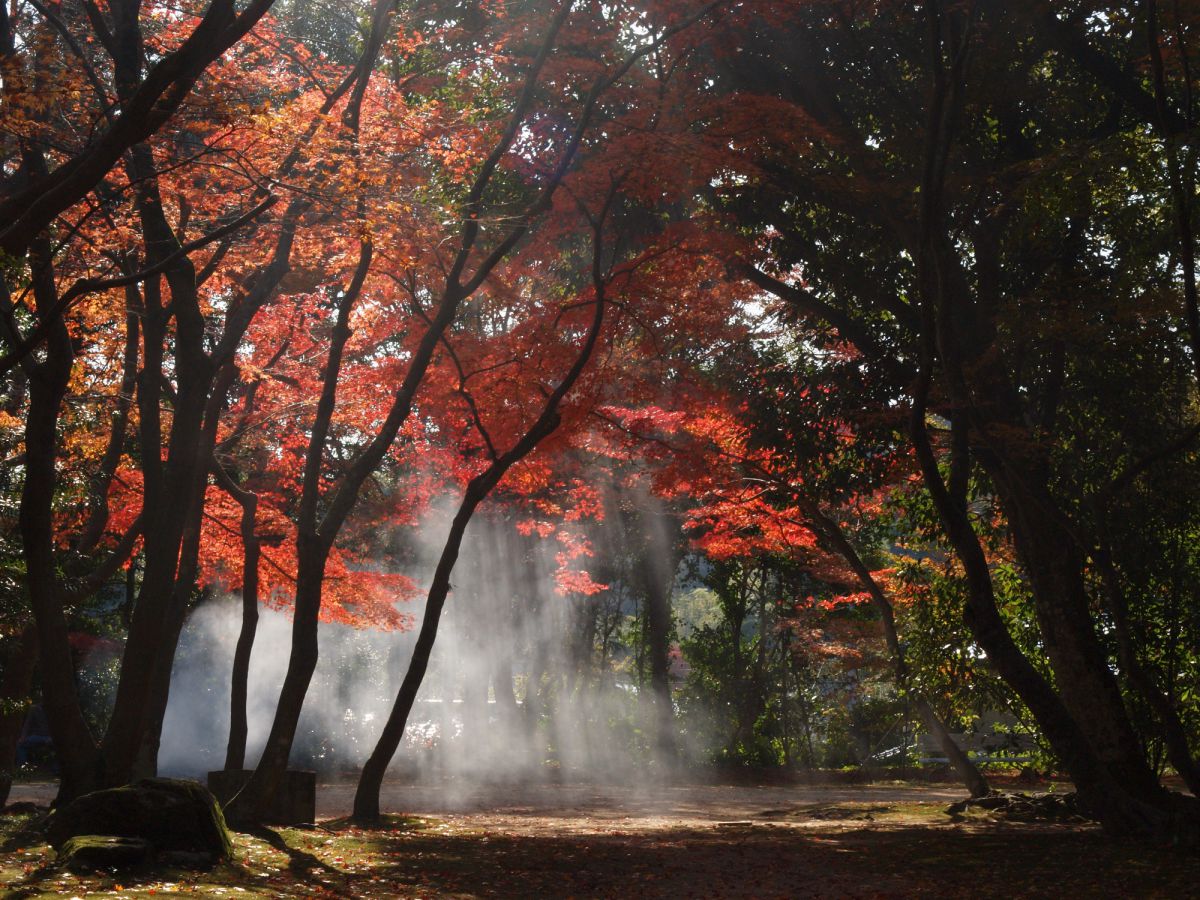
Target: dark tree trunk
column 366, row 797
column 73, row 741
column 15, row 686
column 1086, row 724
column 737, row 618
column 235, row 752
column 173, row 489
column 474, row 699
column 583, row 647
column 1181, row 177
column 146, row 764
column 102, row 479
column 167, row 485
column 658, row 633
column 534, row 706
column 502, row 685
column 312, row 556
column 174, row 486
column 457, row 287
column 1100, row 793
column 656, row 564
column 973, row 779
column 1083, row 676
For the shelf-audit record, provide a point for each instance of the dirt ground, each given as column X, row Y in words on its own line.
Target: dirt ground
column 631, row 841
column 649, row 802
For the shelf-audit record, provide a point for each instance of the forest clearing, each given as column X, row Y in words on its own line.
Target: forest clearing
column 885, row 840
column 573, row 448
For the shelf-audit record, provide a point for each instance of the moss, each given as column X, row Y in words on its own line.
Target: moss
column 171, row 814
column 89, row 852
column 203, row 799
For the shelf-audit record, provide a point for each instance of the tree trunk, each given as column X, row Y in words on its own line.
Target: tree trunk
column 737, row 617
column 502, row 685
column 972, row 778
column 534, row 706
column 656, row 573
column 235, row 752
column 1083, row 676
column 584, row 647
column 173, row 502
column 186, row 571
column 1086, row 724
column 658, row 631
column 1100, row 794
column 474, row 706
column 73, row 741
column 15, row 685
column 366, row 797
column 312, row 556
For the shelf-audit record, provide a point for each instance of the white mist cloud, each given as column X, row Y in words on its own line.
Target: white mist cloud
column 510, row 695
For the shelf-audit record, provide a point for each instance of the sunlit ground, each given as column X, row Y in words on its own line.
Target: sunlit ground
column 874, row 841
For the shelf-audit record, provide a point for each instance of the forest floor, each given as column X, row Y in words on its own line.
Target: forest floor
column 870, row 841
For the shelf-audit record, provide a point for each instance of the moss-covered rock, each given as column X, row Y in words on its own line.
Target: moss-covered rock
column 169, row 814
column 89, row 852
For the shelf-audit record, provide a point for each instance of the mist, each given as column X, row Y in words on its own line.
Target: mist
column 524, row 685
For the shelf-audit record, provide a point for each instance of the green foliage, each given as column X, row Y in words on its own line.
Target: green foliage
column 856, row 731
column 751, row 689
column 946, row 664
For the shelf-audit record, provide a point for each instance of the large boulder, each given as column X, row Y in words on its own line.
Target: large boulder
column 170, row 815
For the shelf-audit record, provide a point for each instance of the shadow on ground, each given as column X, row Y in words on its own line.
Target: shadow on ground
column 844, row 851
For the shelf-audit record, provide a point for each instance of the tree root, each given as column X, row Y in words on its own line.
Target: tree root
column 1021, row 807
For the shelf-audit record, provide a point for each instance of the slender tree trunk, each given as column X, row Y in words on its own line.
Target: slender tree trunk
column 658, row 636
column 15, row 686
column 583, row 647
column 1087, row 724
column 785, row 719
column 474, row 697
column 102, row 479
column 502, row 685
column 366, row 797
column 736, row 621
column 173, row 492
column 972, row 778
column 312, row 556
column 656, row 564
column 187, row 571
column 1181, row 177
column 235, row 753
column 536, row 688
column 966, row 770
column 319, row 539
column 1045, row 543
